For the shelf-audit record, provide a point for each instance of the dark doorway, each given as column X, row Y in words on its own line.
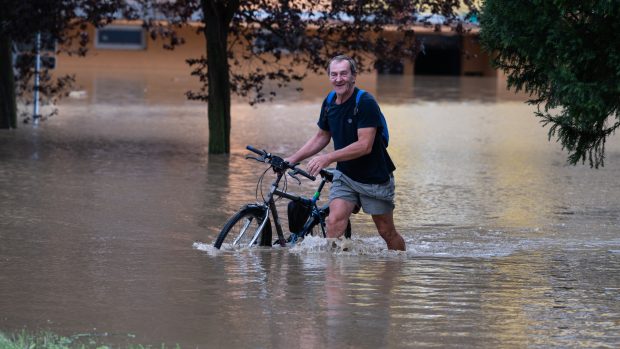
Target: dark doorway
column 441, row 55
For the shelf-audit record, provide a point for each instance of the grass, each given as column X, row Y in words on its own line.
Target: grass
column 49, row 340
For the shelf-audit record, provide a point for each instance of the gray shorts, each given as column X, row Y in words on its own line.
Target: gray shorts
column 374, row 199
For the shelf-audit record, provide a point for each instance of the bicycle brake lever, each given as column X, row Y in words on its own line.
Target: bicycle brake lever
column 261, row 159
column 292, row 174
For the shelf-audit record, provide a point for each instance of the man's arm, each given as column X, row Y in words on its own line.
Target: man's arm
column 314, row 145
column 363, row 146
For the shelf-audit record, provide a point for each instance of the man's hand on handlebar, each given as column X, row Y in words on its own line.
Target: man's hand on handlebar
column 317, row 163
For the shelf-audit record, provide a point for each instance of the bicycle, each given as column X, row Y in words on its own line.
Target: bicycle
column 251, row 224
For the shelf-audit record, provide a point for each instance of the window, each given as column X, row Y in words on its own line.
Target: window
column 120, row 38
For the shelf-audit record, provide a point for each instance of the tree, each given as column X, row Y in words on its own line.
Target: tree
column 61, row 21
column 8, row 106
column 566, row 55
column 282, row 40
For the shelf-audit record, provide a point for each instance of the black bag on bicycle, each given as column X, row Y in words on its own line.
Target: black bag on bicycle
column 298, row 214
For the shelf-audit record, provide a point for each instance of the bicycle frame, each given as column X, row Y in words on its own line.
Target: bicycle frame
column 317, row 216
column 270, row 208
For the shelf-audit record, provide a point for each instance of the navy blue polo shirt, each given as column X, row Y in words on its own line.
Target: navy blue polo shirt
column 342, row 122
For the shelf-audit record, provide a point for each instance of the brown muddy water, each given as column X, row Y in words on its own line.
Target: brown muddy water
column 107, row 213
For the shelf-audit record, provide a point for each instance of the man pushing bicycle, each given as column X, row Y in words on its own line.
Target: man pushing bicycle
column 363, row 176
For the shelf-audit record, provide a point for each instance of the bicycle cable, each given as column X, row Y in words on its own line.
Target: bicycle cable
column 259, row 186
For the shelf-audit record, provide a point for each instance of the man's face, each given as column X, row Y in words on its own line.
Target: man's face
column 341, row 77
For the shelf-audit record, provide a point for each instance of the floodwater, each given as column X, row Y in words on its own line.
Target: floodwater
column 107, row 213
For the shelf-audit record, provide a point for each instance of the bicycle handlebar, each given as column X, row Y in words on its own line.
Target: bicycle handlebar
column 278, row 163
column 301, row 172
column 259, row 152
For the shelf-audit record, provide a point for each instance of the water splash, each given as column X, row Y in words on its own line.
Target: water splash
column 208, row 248
column 436, row 243
column 420, row 246
column 347, row 247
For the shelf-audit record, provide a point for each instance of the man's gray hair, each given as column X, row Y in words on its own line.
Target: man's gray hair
column 340, row 58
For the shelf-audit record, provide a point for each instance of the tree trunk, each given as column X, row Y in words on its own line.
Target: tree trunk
column 217, row 17
column 8, row 105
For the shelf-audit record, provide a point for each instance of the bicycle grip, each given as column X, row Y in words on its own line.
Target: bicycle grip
column 305, row 174
column 252, row 149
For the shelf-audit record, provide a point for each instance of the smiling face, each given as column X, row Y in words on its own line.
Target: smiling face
column 341, row 77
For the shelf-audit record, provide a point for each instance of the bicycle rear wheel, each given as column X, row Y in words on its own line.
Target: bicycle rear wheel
column 240, row 228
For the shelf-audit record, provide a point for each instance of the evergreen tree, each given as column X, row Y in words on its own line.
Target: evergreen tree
column 566, row 55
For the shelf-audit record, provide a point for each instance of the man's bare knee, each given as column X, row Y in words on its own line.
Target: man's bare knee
column 339, row 212
column 336, row 226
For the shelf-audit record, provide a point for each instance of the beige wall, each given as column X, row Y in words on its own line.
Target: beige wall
column 154, row 56
column 474, row 60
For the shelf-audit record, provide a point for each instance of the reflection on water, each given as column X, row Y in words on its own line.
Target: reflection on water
column 107, row 213
column 169, row 87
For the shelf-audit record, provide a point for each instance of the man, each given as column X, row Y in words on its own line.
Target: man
column 364, row 168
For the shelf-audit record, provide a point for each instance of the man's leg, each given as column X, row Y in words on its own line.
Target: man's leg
column 387, row 230
column 339, row 213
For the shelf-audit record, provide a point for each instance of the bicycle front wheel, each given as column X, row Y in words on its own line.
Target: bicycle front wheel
column 241, row 227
